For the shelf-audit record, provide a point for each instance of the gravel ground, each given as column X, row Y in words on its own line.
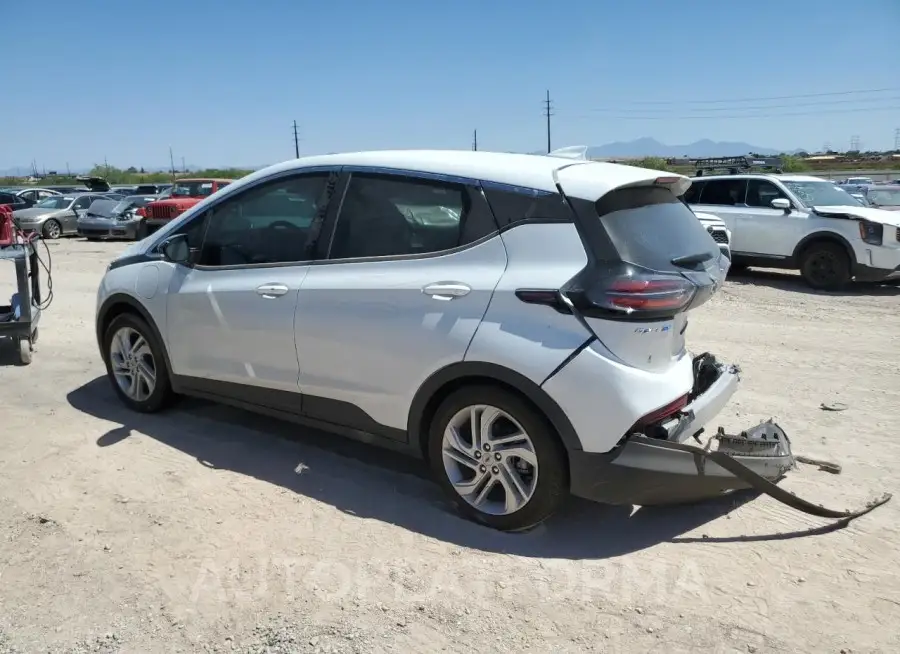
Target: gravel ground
column 210, row 529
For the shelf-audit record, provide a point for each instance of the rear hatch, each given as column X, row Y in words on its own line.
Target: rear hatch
column 652, row 262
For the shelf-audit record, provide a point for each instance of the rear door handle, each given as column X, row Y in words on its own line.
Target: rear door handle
column 446, row 290
column 271, row 290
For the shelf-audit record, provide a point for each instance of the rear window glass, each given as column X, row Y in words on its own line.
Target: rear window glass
column 650, row 226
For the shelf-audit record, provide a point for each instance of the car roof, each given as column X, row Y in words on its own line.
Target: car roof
column 582, row 178
column 200, row 179
column 783, row 178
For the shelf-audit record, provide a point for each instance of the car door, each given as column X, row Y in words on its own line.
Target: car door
column 230, row 317
column 404, row 274
column 765, row 230
column 78, row 209
column 723, row 198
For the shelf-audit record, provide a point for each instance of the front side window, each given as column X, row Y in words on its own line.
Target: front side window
column 761, row 192
column 384, row 215
column 728, row 192
column 269, row 223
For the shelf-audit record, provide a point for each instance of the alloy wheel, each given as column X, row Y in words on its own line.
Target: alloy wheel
column 133, row 364
column 489, row 460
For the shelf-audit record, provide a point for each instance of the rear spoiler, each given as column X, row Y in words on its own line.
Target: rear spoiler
column 571, row 152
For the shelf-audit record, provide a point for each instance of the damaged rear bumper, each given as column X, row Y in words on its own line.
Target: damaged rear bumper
column 663, row 465
column 650, row 471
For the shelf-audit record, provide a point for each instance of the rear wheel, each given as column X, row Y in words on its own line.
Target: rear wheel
column 497, row 459
column 825, row 266
column 51, row 229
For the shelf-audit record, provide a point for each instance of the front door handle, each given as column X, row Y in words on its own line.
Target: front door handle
column 446, row 290
column 271, row 291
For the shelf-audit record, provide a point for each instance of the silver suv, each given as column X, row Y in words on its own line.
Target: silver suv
column 517, row 320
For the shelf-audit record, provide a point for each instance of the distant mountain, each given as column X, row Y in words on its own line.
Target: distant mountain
column 649, row 147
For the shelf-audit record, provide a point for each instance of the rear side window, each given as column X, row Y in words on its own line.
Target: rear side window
column 728, row 192
column 514, row 205
column 649, row 227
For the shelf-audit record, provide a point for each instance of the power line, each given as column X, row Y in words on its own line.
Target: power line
column 720, row 116
column 818, row 103
column 296, row 142
column 548, row 111
column 761, row 99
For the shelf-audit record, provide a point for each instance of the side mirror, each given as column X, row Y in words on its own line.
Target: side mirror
column 782, row 203
column 176, row 250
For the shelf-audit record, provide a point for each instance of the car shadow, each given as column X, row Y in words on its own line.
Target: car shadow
column 791, row 282
column 374, row 483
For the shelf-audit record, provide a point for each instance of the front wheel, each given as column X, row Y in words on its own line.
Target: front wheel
column 136, row 365
column 497, row 459
column 51, row 229
column 825, row 266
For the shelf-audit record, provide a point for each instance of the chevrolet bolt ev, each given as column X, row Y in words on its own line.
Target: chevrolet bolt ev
column 515, row 320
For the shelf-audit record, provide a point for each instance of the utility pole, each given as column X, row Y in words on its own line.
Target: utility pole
column 68, row 172
column 296, row 142
column 548, row 111
column 183, row 166
column 106, row 165
column 172, row 162
column 854, row 143
column 897, row 140
column 475, row 140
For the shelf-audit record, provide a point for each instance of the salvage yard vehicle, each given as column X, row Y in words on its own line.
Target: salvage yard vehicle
column 55, row 216
column 803, row 223
column 882, row 196
column 183, row 195
column 107, row 218
column 517, row 320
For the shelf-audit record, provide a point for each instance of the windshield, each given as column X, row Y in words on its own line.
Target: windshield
column 56, row 202
column 885, row 197
column 192, row 189
column 822, row 194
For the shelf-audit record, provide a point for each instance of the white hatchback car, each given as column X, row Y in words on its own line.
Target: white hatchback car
column 517, row 320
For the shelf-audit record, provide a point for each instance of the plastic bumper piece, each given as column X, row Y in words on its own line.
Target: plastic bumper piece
column 649, row 471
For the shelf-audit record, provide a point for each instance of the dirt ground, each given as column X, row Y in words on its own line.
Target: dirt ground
column 209, row 529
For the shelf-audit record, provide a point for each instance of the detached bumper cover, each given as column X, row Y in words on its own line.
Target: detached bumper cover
column 649, row 471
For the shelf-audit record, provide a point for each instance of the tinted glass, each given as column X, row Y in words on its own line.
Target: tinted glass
column 266, row 224
column 760, row 193
column 650, row 226
column 192, row 189
column 515, row 206
column 724, row 191
column 692, row 195
column 392, row 216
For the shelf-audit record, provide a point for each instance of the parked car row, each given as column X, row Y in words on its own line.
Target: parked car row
column 128, row 212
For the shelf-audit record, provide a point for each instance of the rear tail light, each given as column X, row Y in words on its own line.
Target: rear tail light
column 645, row 294
column 660, row 415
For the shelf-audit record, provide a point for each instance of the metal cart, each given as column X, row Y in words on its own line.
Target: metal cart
column 23, row 329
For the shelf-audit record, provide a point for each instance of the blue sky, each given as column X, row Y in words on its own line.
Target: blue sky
column 221, row 81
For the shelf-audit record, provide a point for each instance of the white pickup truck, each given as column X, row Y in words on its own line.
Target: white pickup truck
column 801, row 223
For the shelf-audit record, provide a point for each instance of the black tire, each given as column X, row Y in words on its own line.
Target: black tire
column 51, row 229
column 552, row 485
column 162, row 394
column 825, row 266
